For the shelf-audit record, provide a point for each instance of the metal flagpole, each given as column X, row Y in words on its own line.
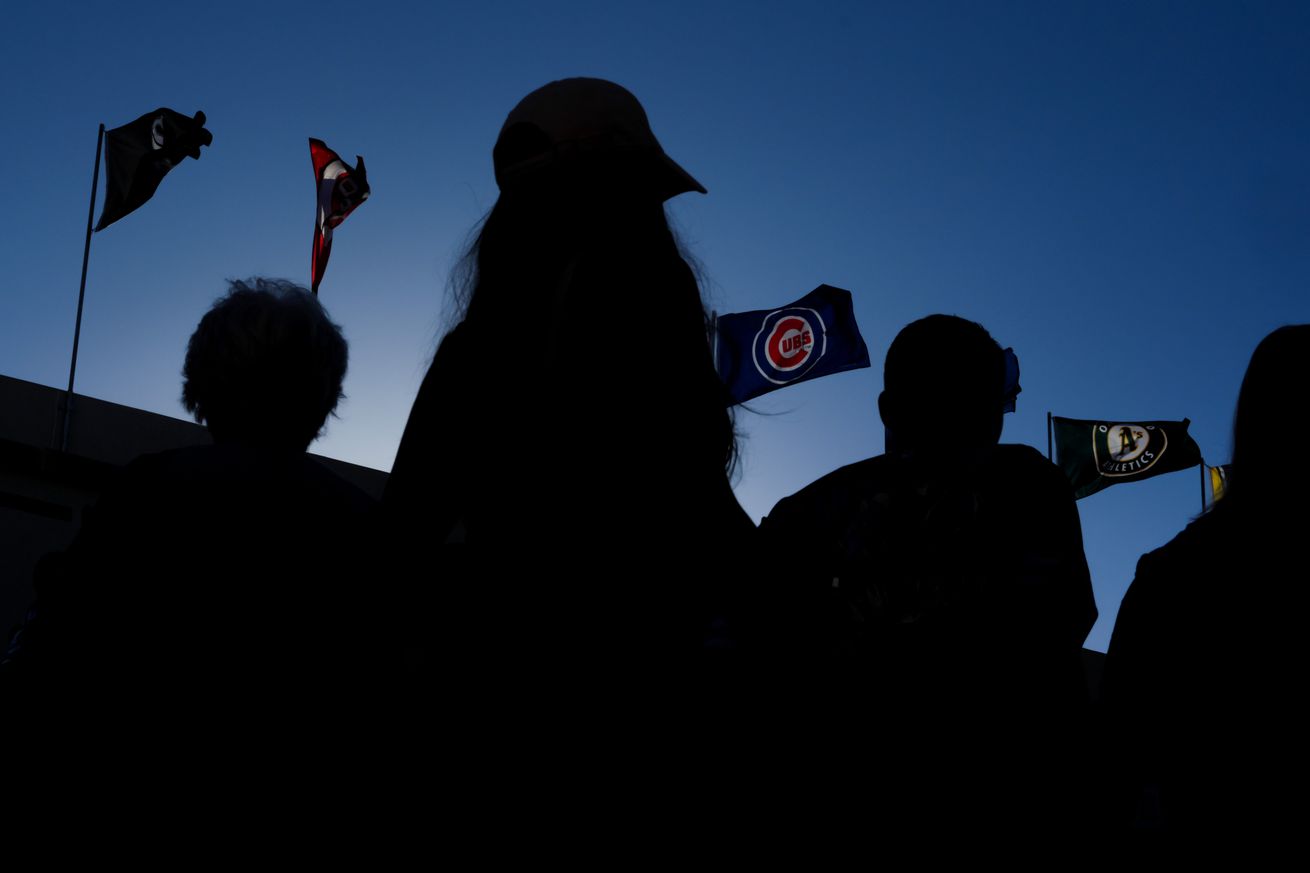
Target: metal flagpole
column 1050, row 456
column 81, row 291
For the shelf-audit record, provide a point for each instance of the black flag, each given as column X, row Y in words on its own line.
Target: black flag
column 139, row 154
column 1098, row 454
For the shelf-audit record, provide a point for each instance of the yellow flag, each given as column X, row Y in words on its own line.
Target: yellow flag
column 1219, row 481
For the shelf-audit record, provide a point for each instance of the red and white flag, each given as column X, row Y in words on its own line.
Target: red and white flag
column 340, row 190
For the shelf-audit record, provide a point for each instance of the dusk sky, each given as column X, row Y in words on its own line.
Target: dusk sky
column 1120, row 191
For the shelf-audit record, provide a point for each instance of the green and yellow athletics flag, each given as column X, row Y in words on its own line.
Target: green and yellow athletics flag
column 1098, row 454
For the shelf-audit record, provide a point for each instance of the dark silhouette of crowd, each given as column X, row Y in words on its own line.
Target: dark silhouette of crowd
column 560, row 587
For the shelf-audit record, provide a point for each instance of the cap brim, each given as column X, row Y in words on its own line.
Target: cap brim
column 677, row 180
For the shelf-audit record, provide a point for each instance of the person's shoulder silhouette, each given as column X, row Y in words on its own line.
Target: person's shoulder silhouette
column 232, row 565
column 571, row 437
column 932, row 602
column 1206, row 650
column 953, row 560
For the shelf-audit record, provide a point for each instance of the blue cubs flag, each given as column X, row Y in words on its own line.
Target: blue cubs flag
column 764, row 350
column 340, row 190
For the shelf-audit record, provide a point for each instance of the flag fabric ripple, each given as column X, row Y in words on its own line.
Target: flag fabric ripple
column 140, row 153
column 767, row 349
column 341, row 189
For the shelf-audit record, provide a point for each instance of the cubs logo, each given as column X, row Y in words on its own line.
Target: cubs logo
column 790, row 342
column 1127, row 449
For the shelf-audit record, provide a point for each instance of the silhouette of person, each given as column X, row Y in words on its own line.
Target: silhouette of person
column 560, row 495
column 228, row 571
column 938, row 592
column 1207, row 651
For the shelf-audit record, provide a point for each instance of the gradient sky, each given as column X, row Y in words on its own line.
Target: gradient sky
column 1119, row 191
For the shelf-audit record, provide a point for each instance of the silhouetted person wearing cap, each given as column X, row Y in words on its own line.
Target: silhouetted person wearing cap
column 936, row 597
column 227, row 572
column 561, row 489
column 1203, row 677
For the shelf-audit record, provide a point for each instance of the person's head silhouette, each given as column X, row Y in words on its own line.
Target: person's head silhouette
column 944, row 387
column 578, row 282
column 1272, row 420
column 265, row 366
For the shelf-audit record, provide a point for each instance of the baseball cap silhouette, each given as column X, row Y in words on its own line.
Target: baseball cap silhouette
column 579, row 122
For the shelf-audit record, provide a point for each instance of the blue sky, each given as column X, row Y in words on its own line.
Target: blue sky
column 1118, row 190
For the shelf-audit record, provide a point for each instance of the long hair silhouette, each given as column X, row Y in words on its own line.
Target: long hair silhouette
column 572, row 423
